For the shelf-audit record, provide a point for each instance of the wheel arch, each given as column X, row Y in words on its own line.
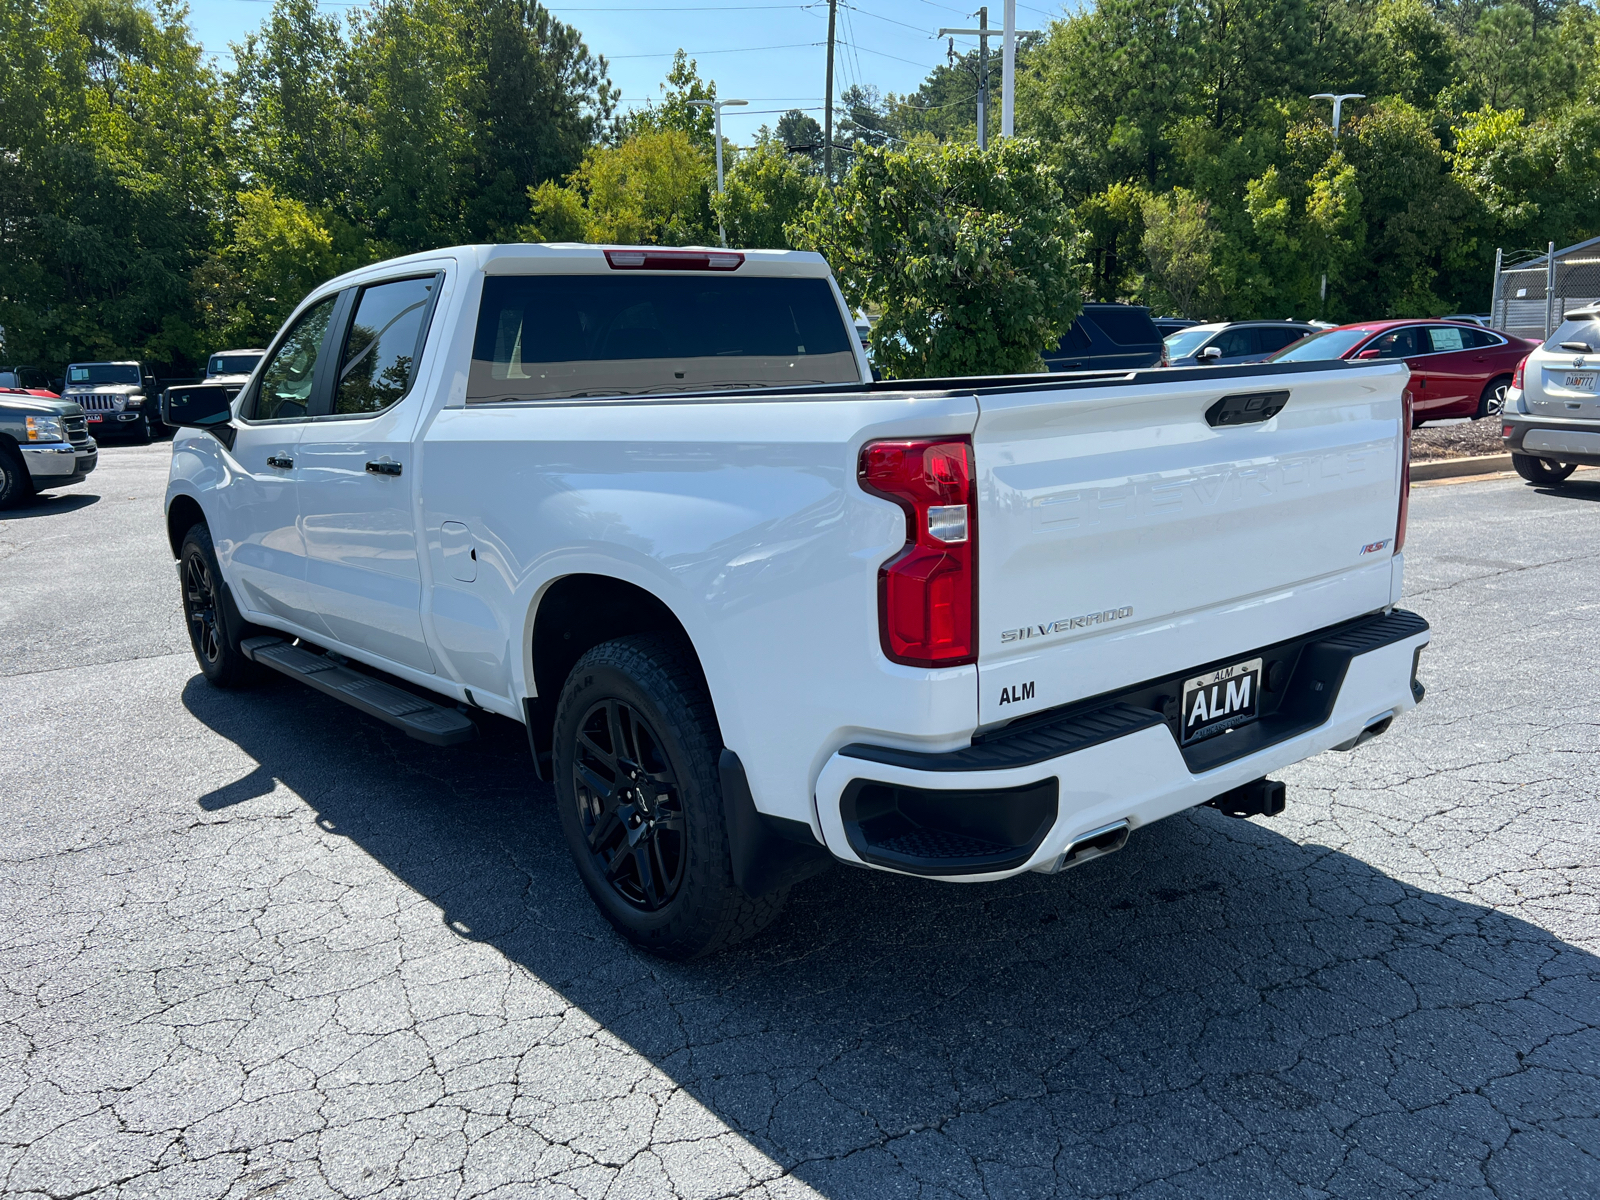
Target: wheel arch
column 572, row 615
column 183, row 514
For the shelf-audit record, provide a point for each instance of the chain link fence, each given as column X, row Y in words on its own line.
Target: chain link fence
column 1528, row 302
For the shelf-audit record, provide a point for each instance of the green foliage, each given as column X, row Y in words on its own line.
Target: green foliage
column 654, row 189
column 966, row 254
column 677, row 109
column 766, row 191
column 1178, row 243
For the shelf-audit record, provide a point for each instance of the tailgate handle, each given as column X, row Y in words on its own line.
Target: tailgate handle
column 1247, row 408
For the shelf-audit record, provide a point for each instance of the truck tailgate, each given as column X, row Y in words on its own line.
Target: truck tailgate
column 1122, row 536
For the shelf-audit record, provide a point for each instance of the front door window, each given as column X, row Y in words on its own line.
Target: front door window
column 286, row 383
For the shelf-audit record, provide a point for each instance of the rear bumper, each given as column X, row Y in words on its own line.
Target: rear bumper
column 1552, row 438
column 1020, row 799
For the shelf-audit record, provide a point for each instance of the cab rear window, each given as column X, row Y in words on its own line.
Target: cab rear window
column 555, row 337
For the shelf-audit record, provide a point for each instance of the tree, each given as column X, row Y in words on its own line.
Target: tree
column 676, row 111
column 801, row 136
column 767, row 190
column 653, row 190
column 967, row 254
column 1178, row 242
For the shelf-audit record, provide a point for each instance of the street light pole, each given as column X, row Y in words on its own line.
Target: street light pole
column 716, row 107
column 1338, row 104
column 1338, row 109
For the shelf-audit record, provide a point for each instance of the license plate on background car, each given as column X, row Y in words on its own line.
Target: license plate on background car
column 94, row 418
column 1220, row 700
column 1580, row 383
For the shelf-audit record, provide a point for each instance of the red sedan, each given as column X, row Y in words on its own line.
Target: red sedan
column 1457, row 370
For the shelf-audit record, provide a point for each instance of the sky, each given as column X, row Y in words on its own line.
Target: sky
column 768, row 52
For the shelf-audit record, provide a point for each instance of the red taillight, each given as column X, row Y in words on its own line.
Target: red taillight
column 674, row 260
column 1516, row 376
column 1405, row 472
column 927, row 594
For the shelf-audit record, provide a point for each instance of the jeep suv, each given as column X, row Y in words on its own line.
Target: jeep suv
column 117, row 398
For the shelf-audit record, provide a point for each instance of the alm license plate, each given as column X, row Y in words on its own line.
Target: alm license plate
column 1580, row 383
column 1220, row 700
column 94, row 418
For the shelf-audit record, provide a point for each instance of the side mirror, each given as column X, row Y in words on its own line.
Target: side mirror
column 197, row 406
column 1578, row 347
column 1210, row 354
column 1370, row 354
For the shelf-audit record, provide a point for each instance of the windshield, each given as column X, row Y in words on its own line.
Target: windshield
column 1321, row 347
column 232, row 364
column 103, row 373
column 1187, row 341
column 1585, row 329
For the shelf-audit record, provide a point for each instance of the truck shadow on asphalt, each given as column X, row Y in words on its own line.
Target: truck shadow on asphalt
column 1216, row 1011
column 44, row 504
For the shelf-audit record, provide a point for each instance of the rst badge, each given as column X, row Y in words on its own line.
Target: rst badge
column 1220, row 700
column 1374, row 547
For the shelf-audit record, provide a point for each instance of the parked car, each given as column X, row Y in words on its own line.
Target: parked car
column 758, row 613
column 1456, row 370
column 232, row 366
column 44, row 443
column 1230, row 343
column 1167, row 326
column 1107, row 337
column 29, row 380
column 1551, row 420
column 117, row 397
column 1469, row 319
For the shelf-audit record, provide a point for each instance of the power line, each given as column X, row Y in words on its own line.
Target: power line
column 896, row 57
column 727, row 50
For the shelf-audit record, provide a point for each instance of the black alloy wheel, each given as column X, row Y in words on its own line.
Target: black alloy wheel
column 215, row 626
column 639, row 796
column 630, row 806
column 200, row 607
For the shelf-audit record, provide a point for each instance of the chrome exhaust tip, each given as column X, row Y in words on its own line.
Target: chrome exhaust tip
column 1097, row 843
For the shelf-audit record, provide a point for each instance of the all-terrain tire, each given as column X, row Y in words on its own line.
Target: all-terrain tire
column 1541, row 470
column 213, row 620
column 16, row 485
column 654, row 680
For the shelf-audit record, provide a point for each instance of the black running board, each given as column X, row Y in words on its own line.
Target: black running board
column 422, row 719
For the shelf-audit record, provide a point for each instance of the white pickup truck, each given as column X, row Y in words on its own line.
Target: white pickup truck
column 759, row 613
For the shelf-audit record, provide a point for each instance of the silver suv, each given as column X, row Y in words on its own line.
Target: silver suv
column 1551, row 419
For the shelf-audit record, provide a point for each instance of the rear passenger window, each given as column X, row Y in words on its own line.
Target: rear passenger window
column 1126, row 326
column 379, row 362
column 286, row 383
column 1446, row 337
column 1076, row 340
column 551, row 337
column 1481, row 339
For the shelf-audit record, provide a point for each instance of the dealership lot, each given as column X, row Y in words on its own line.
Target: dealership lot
column 255, row 944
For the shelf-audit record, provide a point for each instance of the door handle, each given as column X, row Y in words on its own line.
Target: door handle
column 383, row 468
column 277, row 460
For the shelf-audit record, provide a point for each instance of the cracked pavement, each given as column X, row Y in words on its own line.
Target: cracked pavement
column 258, row 945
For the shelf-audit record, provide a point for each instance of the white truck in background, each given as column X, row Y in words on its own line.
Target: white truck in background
column 759, row 613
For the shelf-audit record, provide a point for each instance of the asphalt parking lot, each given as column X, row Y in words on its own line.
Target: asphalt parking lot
column 256, row 945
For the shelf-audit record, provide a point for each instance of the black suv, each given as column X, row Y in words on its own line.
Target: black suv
column 1108, row 337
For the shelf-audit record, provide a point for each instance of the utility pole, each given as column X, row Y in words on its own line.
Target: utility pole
column 1007, row 84
column 827, row 116
column 716, row 107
